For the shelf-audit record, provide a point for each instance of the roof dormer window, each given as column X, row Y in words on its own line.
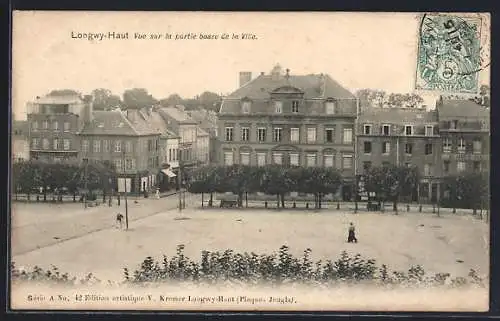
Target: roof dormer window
column 330, row 107
column 245, row 107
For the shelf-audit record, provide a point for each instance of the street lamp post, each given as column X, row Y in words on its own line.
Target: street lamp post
column 125, row 189
column 86, row 160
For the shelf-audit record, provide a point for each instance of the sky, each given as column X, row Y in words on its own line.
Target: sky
column 359, row 50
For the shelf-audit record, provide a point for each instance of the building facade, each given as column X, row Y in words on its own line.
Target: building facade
column 125, row 139
column 20, row 141
column 401, row 137
column 303, row 120
column 464, row 127
column 53, row 124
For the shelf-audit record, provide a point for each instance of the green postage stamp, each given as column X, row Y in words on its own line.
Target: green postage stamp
column 449, row 53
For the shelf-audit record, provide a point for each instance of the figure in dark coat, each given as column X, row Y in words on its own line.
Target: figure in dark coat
column 351, row 238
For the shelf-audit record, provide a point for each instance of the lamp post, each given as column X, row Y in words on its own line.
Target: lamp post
column 85, row 186
column 125, row 189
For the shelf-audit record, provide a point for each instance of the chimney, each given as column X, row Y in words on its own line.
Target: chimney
column 88, row 108
column 276, row 72
column 245, row 77
column 262, row 73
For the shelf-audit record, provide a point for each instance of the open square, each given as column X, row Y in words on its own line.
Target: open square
column 450, row 244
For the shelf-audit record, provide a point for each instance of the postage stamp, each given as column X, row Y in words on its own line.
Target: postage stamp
column 448, row 56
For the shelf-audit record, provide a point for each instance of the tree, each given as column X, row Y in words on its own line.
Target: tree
column 172, row 100
column 370, row 98
column 404, row 100
column 105, row 100
column 210, row 101
column 138, row 98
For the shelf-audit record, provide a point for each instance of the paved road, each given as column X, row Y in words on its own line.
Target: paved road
column 38, row 226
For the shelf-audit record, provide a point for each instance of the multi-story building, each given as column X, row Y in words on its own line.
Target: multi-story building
column 401, row 136
column 126, row 139
column 20, row 140
column 464, row 127
column 207, row 122
column 178, row 121
column 53, row 124
column 277, row 118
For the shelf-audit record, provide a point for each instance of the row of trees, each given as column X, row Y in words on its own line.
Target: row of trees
column 63, row 177
column 385, row 183
column 104, row 99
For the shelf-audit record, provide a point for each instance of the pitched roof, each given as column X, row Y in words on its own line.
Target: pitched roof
column 313, row 86
column 397, row 116
column 140, row 123
column 159, row 124
column 177, row 114
column 115, row 122
column 461, row 108
column 59, row 100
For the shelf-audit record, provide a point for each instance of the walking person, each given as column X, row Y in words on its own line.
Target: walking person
column 351, row 238
column 119, row 220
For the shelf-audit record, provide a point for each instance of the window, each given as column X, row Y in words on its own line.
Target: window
column 386, row 148
column 294, row 159
column 446, row 145
column 328, row 160
column 347, row 137
column 476, row 147
column 461, row 166
column 295, row 106
column 228, row 158
column 446, row 167
column 85, row 146
column 429, row 130
column 408, row 130
column 277, row 134
column 261, row 159
column 34, row 126
column 245, row 158
column 367, row 129
column 67, row 144
column 261, row 134
column 278, row 106
column 428, row 149
column 367, row 147
column 367, row 166
column 386, row 130
column 346, row 161
column 294, row 135
column 128, row 147
column 427, row 170
column 329, row 134
column 229, row 134
column 330, row 107
column 35, row 142
column 311, row 160
column 461, row 145
column 118, row 164
column 128, row 164
column 477, row 166
column 408, row 148
column 67, row 126
column 55, row 125
column 105, row 146
column 45, row 124
column 118, row 146
column 56, row 144
column 245, row 107
column 311, row 135
column 454, row 124
column 97, row 146
column 277, row 158
column 245, row 134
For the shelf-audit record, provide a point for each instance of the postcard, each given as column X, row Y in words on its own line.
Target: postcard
column 250, row 161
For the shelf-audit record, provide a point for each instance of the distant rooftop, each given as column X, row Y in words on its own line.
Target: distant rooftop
column 58, row 100
column 461, row 108
column 177, row 114
column 397, row 115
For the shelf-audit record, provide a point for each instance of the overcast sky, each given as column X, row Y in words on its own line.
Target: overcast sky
column 359, row 50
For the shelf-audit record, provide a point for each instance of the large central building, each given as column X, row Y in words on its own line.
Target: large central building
column 280, row 118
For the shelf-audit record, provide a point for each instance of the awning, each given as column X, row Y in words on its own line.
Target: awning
column 168, row 172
